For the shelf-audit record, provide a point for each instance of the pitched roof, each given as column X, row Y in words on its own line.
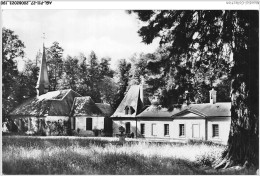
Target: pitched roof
column 85, row 106
column 212, row 110
column 42, row 105
column 204, row 110
column 106, row 109
column 155, row 111
column 131, row 99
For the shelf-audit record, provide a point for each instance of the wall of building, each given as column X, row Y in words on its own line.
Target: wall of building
column 155, row 128
column 193, row 128
column 224, row 128
column 97, row 124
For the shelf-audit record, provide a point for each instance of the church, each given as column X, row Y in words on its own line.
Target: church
column 60, row 112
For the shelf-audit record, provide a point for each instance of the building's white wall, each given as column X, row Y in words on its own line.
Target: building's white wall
column 97, row 124
column 224, row 128
column 56, row 118
column 205, row 128
column 188, row 128
column 190, row 115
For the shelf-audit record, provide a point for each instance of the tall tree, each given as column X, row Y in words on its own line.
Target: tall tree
column 69, row 78
column 54, row 62
column 94, row 77
column 123, row 79
column 12, row 48
column 27, row 80
column 204, row 39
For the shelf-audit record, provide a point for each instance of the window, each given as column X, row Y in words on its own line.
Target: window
column 126, row 110
column 166, row 129
column 181, row 130
column 127, row 127
column 215, row 130
column 153, row 129
column 73, row 123
column 142, row 129
column 89, row 124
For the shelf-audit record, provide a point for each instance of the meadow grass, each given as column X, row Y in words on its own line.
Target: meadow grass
column 32, row 155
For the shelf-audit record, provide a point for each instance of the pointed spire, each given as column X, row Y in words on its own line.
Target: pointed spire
column 43, row 79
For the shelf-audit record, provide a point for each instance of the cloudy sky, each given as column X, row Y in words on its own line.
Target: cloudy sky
column 110, row 33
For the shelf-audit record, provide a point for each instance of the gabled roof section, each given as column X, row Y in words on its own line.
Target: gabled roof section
column 131, row 99
column 85, row 106
column 40, row 105
column 213, row 110
column 155, row 111
column 186, row 111
column 106, row 109
column 203, row 110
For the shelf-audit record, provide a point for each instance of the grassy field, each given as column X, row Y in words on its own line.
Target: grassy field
column 72, row 155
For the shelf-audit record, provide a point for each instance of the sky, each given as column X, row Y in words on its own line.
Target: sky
column 109, row 33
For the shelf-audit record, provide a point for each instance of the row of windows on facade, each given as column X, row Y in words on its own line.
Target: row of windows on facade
column 215, row 129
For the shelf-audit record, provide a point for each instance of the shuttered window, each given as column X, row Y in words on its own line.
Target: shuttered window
column 181, row 130
column 142, row 129
column 154, row 129
column 127, row 127
column 89, row 124
column 215, row 130
column 73, row 123
column 166, row 129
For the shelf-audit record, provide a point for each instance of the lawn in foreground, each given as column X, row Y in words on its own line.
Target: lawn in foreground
column 26, row 155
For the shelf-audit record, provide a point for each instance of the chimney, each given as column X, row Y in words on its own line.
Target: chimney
column 43, row 83
column 142, row 87
column 212, row 96
column 187, row 97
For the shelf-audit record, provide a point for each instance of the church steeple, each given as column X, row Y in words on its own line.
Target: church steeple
column 43, row 83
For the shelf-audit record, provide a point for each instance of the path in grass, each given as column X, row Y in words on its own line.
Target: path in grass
column 29, row 155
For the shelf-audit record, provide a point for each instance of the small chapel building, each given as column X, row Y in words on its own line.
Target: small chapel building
column 58, row 112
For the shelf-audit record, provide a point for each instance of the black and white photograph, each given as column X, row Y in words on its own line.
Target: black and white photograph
column 142, row 88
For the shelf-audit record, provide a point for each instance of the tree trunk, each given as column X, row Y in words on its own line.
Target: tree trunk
column 243, row 143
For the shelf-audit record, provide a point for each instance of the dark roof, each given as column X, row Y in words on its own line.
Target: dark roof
column 155, row 111
column 85, row 106
column 106, row 109
column 131, row 99
column 51, row 103
column 204, row 110
column 212, row 110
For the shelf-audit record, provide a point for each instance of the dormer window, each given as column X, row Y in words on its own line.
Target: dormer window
column 129, row 110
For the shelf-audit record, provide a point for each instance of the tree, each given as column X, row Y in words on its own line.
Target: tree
column 108, row 90
column 12, row 48
column 205, row 40
column 123, row 79
column 54, row 62
column 26, row 81
column 105, row 69
column 69, row 78
column 94, row 77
